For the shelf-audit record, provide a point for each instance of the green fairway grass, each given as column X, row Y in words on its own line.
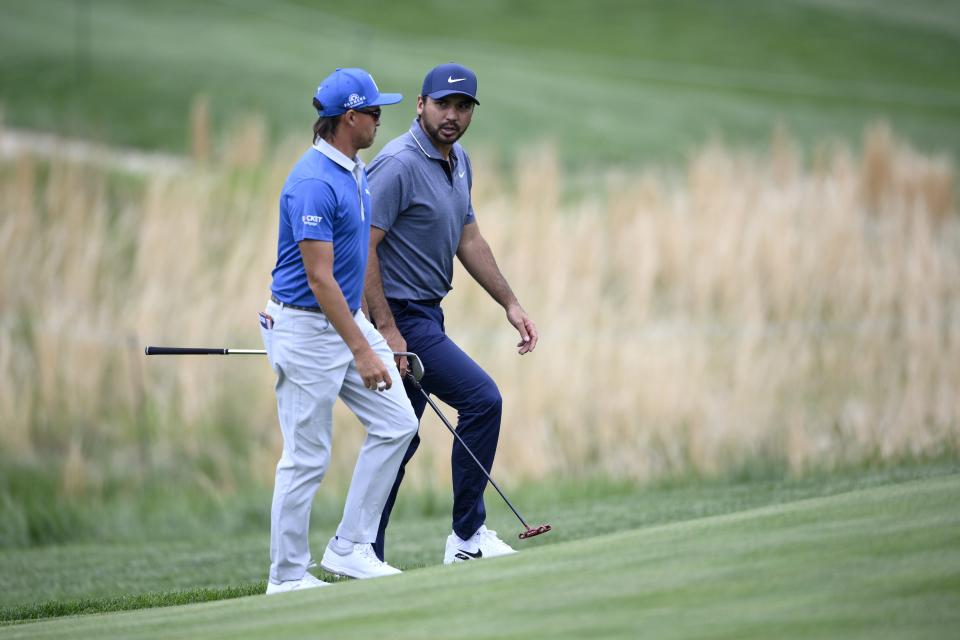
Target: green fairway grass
column 90, row 578
column 872, row 563
column 607, row 81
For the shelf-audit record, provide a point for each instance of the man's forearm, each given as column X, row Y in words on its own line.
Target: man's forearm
column 479, row 262
column 373, row 294
column 328, row 294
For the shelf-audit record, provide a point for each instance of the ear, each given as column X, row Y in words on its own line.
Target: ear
column 420, row 104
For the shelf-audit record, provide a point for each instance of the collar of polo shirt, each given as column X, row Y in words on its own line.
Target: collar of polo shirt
column 337, row 156
column 426, row 146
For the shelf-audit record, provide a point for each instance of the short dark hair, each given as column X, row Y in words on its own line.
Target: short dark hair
column 324, row 128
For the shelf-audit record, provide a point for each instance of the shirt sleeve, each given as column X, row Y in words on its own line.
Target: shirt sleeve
column 388, row 193
column 311, row 206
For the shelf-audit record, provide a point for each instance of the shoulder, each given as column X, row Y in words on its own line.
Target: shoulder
column 301, row 184
column 397, row 156
column 307, row 189
column 312, row 171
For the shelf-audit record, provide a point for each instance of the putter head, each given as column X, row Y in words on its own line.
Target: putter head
column 416, row 366
column 535, row 531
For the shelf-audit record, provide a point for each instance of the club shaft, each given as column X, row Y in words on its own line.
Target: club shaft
column 207, row 351
column 218, row 351
column 456, row 435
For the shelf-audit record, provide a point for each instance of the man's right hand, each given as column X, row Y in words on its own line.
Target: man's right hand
column 372, row 370
column 396, row 343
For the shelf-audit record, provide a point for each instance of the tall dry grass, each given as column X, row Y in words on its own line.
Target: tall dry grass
column 750, row 308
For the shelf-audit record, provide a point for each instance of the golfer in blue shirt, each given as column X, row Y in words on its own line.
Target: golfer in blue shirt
column 322, row 347
column 422, row 217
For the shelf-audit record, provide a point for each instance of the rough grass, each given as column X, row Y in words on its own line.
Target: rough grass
column 755, row 309
column 872, row 563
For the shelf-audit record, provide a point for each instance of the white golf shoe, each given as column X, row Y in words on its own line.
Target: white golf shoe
column 483, row 544
column 308, row 581
column 360, row 563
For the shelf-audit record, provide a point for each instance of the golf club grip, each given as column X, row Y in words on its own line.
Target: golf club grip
column 184, row 351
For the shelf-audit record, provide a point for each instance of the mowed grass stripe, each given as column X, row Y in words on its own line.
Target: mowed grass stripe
column 53, row 609
column 609, row 82
column 879, row 562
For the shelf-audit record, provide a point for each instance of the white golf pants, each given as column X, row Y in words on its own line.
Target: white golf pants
column 314, row 366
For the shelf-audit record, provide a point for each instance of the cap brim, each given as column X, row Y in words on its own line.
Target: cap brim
column 450, row 92
column 386, row 98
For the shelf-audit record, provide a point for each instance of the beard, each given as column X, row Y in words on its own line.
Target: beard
column 437, row 133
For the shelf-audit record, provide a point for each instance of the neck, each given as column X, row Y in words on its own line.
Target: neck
column 444, row 149
column 344, row 146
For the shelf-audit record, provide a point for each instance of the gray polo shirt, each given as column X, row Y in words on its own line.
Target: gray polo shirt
column 422, row 203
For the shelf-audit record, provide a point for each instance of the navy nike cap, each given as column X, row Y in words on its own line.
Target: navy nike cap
column 448, row 79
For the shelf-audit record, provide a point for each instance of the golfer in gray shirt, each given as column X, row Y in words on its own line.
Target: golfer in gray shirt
column 422, row 217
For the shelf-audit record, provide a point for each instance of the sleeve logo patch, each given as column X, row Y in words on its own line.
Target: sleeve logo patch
column 312, row 221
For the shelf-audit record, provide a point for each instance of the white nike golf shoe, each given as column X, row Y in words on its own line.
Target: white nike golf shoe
column 483, row 544
column 491, row 545
column 308, row 581
column 360, row 563
column 459, row 550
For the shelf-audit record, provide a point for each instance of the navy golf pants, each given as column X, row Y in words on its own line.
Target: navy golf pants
column 453, row 377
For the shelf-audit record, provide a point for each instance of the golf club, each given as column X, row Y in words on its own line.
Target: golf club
column 201, row 351
column 414, row 375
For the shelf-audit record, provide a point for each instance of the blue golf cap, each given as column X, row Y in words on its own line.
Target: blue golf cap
column 448, row 79
column 346, row 89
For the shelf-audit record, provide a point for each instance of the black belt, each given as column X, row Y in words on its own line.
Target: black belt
column 294, row 306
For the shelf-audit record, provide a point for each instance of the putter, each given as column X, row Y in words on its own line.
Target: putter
column 414, row 375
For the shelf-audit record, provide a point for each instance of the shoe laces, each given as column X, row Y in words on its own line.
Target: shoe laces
column 490, row 536
column 367, row 553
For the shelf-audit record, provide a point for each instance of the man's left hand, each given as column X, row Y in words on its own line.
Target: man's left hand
column 525, row 327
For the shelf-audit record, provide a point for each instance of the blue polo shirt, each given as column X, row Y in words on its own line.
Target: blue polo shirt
column 324, row 198
column 423, row 203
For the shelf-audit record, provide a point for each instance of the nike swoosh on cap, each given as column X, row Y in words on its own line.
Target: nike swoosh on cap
column 451, row 79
